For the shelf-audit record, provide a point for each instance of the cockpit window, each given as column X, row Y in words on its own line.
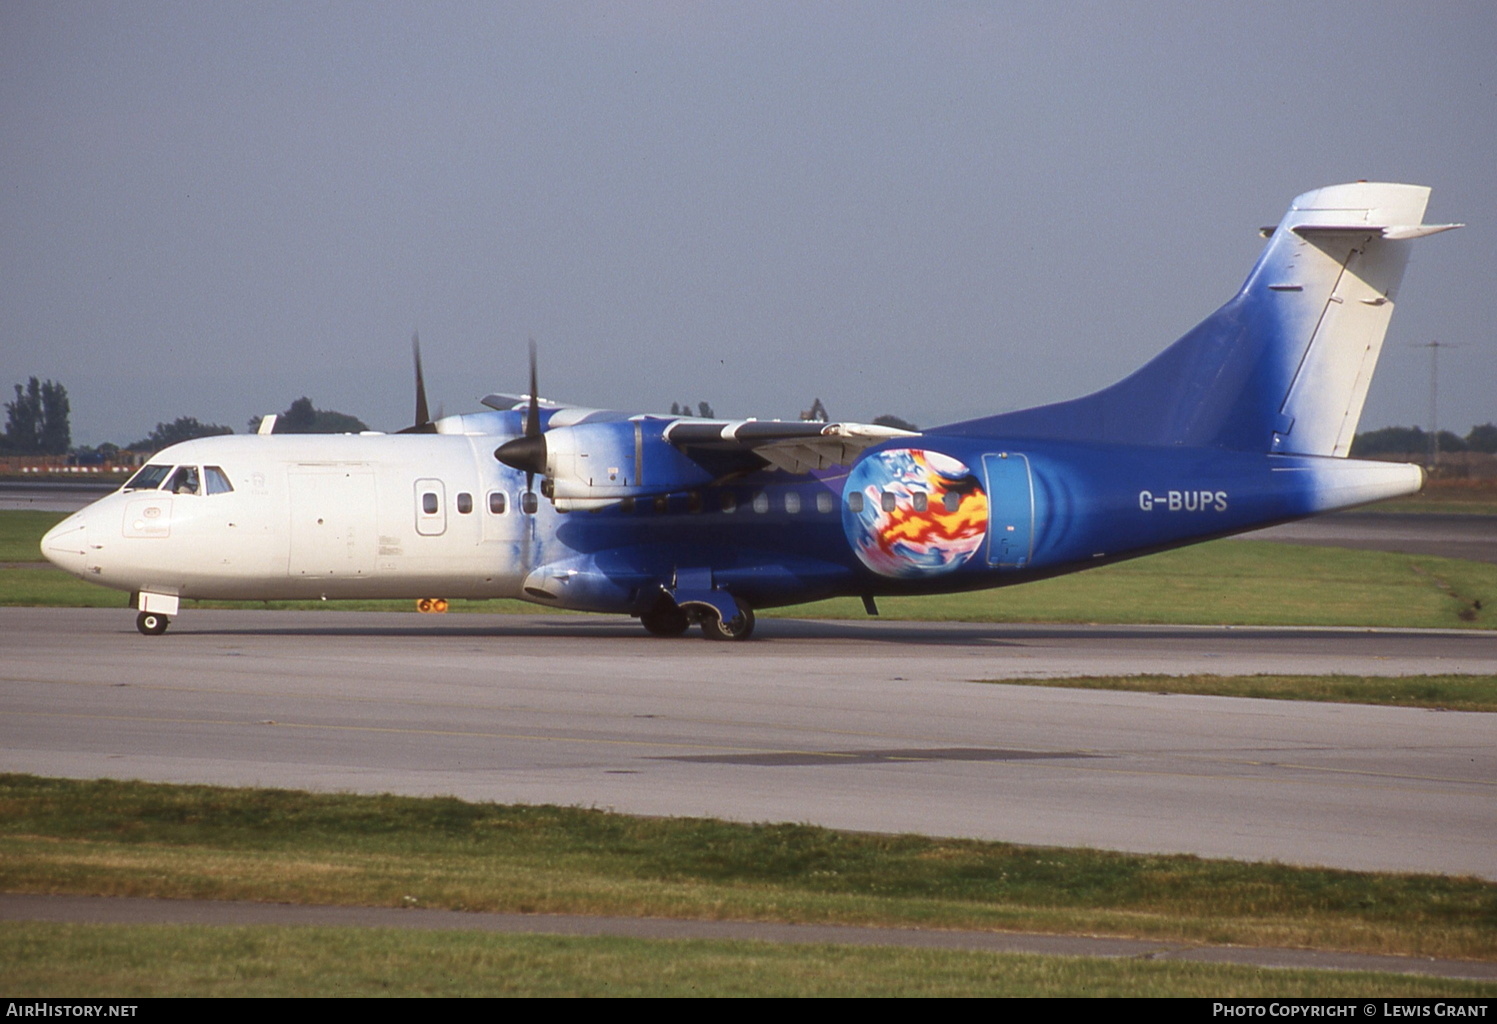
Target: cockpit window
column 217, row 480
column 147, row 478
column 184, row 481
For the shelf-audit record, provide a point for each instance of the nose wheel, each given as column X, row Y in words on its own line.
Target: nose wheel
column 152, row 623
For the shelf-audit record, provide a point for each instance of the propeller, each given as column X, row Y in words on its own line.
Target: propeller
column 423, row 424
column 528, row 451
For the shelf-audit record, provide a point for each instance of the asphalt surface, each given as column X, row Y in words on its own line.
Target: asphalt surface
column 1470, row 537
column 869, row 726
column 61, row 495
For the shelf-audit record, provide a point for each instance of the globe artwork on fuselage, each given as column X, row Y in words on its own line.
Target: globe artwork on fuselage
column 910, row 512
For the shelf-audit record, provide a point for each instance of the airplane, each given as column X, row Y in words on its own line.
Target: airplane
column 1244, row 422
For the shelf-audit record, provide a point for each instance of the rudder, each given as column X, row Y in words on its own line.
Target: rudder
column 1282, row 367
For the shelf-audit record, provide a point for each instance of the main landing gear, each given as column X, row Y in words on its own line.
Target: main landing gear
column 665, row 620
column 152, row 623
column 670, row 620
column 739, row 627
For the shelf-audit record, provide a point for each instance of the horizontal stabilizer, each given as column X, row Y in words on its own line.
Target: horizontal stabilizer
column 1392, row 233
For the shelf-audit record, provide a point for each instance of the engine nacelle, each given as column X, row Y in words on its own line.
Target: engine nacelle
column 591, row 465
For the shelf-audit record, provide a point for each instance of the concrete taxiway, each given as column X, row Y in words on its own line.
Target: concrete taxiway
column 873, row 725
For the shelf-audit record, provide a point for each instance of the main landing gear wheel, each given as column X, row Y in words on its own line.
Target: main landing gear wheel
column 739, row 627
column 152, row 623
column 667, row 621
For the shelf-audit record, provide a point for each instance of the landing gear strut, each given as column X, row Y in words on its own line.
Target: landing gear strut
column 152, row 623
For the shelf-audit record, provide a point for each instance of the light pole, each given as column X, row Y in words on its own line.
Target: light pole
column 1434, row 397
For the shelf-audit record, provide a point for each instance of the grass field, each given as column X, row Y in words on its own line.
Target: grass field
column 1441, row 693
column 129, row 962
column 134, row 839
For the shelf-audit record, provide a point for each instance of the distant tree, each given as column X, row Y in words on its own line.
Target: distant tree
column 1390, row 441
column 56, row 435
column 684, row 409
column 183, row 428
column 886, row 420
column 1483, row 438
column 304, row 418
column 21, row 416
column 1451, row 442
column 1407, row 440
column 300, row 418
column 36, row 423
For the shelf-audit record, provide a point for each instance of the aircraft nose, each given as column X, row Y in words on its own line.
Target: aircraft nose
column 66, row 545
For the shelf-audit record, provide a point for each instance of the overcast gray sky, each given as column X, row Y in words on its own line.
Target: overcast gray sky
column 937, row 210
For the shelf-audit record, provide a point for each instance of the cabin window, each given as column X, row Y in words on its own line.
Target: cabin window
column 184, row 481
column 147, row 478
column 792, row 502
column 886, row 501
column 464, row 503
column 952, row 501
column 761, row 503
column 429, row 503
column 855, row 502
column 922, row 502
column 497, row 504
column 729, row 501
column 824, row 501
column 217, row 480
column 529, row 503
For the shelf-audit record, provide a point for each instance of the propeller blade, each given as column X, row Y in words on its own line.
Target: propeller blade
column 533, row 414
column 422, row 416
column 527, row 452
column 423, row 424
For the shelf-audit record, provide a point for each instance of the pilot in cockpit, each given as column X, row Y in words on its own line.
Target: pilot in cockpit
column 185, row 480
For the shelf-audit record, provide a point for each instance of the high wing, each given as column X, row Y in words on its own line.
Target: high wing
column 793, row 447
column 592, row 458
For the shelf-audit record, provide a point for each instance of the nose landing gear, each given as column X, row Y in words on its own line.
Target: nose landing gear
column 152, row 623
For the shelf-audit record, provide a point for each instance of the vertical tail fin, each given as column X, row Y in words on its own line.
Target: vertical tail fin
column 1285, row 365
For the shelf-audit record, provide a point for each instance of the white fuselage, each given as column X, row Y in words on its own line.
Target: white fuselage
column 313, row 516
